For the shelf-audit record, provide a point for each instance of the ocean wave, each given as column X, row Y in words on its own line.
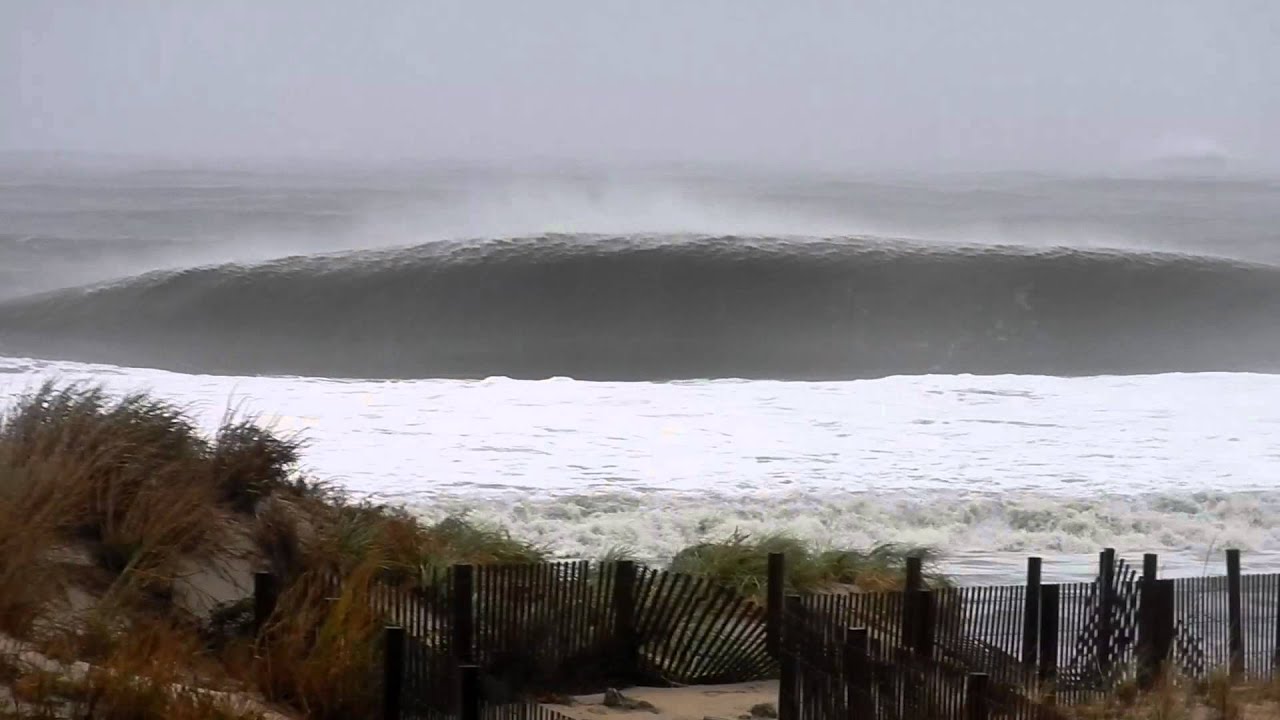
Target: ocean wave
column 672, row 306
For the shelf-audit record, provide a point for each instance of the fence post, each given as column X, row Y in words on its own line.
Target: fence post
column 915, row 574
column 910, row 597
column 1106, row 608
column 624, row 608
column 1275, row 651
column 857, row 673
column 392, row 671
column 1150, row 567
column 1149, row 613
column 1048, row 676
column 1031, row 615
column 789, row 683
column 265, row 595
column 462, row 613
column 976, row 703
column 773, row 603
column 469, row 692
column 1235, row 628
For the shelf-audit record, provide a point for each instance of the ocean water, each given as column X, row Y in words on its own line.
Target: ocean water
column 992, row 368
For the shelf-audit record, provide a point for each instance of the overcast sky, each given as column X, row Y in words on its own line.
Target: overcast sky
column 913, row 84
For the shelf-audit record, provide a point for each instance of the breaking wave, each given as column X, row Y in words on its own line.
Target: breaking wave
column 983, row 537
column 672, row 306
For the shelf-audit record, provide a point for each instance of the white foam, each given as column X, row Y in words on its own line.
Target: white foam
column 978, row 531
column 988, row 469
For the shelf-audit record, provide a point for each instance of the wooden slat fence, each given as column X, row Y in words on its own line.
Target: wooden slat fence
column 1261, row 596
column 690, row 631
column 547, row 626
column 981, row 629
column 1064, row 643
column 1200, row 617
column 830, row 675
column 424, row 615
column 570, row 627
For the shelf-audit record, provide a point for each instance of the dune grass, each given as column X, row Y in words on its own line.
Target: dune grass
column 321, row 654
column 130, row 481
column 1176, row 697
column 106, row 505
column 741, row 562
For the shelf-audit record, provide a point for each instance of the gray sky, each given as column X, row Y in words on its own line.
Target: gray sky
column 913, row 84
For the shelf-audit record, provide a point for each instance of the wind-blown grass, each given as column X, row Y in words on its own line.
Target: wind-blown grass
column 741, row 563
column 130, row 482
column 321, row 654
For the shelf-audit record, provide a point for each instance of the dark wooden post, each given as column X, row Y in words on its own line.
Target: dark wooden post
column 1275, row 650
column 773, row 603
column 910, row 596
column 1149, row 611
column 1048, row 674
column 265, row 595
column 789, row 683
column 1031, row 616
column 857, row 673
column 923, row 625
column 469, row 692
column 1153, row 637
column 976, row 703
column 1235, row 628
column 1106, row 608
column 915, row 575
column 462, row 613
column 392, row 672
column 624, row 618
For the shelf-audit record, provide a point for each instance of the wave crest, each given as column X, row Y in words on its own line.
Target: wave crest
column 672, row 306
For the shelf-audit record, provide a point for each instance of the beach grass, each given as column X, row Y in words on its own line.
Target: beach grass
column 741, row 562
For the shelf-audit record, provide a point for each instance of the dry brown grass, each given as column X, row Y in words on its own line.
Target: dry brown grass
column 148, row 671
column 319, row 528
column 130, row 480
column 322, row 654
column 1175, row 697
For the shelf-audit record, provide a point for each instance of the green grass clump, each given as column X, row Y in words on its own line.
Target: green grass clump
column 741, row 563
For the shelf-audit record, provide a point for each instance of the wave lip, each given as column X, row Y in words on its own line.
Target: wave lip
column 664, row 307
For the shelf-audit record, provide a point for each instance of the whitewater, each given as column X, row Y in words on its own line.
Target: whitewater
column 994, row 367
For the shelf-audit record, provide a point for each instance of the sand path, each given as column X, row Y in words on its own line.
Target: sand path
column 724, row 702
